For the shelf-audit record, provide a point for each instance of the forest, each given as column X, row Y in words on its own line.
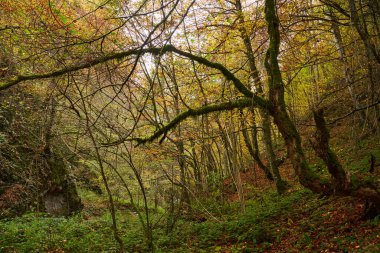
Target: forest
column 189, row 126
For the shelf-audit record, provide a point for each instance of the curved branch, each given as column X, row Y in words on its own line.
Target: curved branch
column 240, row 103
column 120, row 55
column 261, row 102
column 227, row 74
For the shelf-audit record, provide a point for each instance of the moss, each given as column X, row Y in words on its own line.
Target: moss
column 138, row 52
column 362, row 180
column 231, row 105
column 59, row 183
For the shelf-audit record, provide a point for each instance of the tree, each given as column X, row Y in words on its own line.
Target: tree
column 274, row 105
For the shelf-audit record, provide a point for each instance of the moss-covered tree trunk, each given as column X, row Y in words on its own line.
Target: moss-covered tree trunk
column 323, row 151
column 60, row 196
column 342, row 184
column 281, row 185
column 278, row 110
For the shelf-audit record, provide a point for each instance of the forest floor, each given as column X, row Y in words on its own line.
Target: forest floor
column 316, row 224
column 298, row 221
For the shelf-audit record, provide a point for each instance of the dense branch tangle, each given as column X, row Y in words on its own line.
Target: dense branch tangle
column 275, row 106
column 250, row 99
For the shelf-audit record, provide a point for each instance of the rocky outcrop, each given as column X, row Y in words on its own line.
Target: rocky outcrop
column 33, row 176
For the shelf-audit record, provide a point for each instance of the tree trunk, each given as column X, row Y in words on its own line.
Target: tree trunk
column 348, row 73
column 266, row 122
column 281, row 185
column 369, row 188
column 323, row 150
column 363, row 33
column 60, row 194
column 278, row 110
column 253, row 148
column 182, row 166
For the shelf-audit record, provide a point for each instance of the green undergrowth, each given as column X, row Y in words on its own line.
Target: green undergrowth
column 248, row 232
column 363, row 163
column 251, row 231
column 40, row 233
column 299, row 217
